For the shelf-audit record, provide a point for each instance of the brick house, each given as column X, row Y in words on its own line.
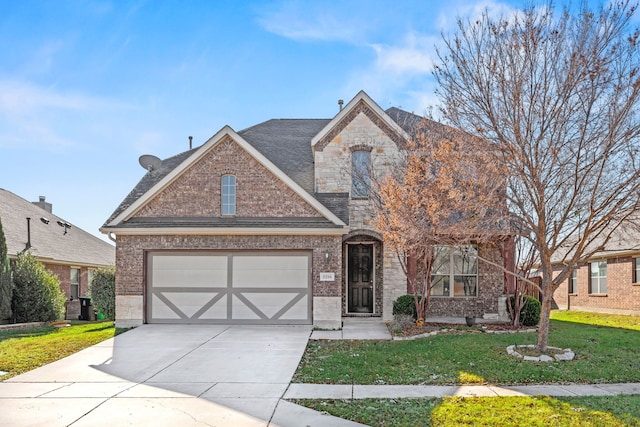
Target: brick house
column 608, row 282
column 274, row 224
column 65, row 250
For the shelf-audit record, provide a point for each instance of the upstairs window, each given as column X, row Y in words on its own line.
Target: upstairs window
column 360, row 169
column 598, row 277
column 228, row 195
column 573, row 282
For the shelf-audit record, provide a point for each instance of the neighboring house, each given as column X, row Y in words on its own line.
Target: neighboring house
column 274, row 225
column 609, row 282
column 66, row 250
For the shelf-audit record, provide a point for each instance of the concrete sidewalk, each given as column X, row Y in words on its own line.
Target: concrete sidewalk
column 338, row 391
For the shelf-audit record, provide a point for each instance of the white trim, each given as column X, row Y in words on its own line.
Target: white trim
column 204, row 149
column 361, row 96
column 225, row 231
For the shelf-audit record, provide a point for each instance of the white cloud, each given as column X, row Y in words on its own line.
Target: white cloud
column 413, row 56
column 448, row 17
column 324, row 21
column 43, row 116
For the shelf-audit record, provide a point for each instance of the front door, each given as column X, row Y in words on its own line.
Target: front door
column 360, row 280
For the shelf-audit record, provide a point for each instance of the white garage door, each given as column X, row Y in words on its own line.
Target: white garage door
column 234, row 287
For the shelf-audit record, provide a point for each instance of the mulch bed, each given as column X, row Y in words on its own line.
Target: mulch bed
column 454, row 328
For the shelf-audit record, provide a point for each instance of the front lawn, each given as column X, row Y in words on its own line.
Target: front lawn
column 605, row 346
column 609, row 411
column 25, row 349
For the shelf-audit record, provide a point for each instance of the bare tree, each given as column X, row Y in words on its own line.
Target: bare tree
column 446, row 191
column 557, row 94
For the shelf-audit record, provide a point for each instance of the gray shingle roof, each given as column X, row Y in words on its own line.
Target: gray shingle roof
column 48, row 242
column 287, row 144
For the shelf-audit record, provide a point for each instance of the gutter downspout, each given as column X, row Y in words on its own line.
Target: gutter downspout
column 110, row 236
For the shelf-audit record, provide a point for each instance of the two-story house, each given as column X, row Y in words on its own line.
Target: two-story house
column 274, row 225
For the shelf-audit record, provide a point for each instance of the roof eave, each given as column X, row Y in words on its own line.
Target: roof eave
column 224, row 231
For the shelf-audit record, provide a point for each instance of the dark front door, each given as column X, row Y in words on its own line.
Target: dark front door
column 360, row 280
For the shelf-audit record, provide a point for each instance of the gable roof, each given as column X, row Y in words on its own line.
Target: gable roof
column 361, row 103
column 167, row 173
column 286, row 144
column 48, row 241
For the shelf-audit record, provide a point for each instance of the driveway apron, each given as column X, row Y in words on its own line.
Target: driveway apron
column 165, row 375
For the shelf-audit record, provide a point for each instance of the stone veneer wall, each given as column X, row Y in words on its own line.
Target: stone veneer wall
column 362, row 129
column 130, row 267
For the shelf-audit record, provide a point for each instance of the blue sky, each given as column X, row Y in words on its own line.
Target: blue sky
column 86, row 87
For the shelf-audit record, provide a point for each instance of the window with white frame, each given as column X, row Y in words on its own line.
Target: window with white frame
column 573, row 282
column 455, row 271
column 636, row 270
column 598, row 277
column 360, row 169
column 228, row 195
column 75, row 283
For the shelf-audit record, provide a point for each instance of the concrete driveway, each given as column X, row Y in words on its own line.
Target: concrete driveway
column 168, row 375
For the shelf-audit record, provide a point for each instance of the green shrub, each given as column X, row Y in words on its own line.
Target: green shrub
column 530, row 314
column 6, row 280
column 37, row 296
column 405, row 305
column 102, row 290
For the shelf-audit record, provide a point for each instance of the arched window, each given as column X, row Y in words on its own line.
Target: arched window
column 228, row 194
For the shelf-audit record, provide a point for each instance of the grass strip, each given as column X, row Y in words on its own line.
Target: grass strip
column 606, row 352
column 545, row 411
column 26, row 349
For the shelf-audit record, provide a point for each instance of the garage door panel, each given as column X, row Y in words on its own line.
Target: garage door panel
column 298, row 311
column 163, row 310
column 270, row 271
column 264, row 287
column 198, row 270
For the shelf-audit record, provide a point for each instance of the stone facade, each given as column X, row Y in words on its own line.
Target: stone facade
column 622, row 296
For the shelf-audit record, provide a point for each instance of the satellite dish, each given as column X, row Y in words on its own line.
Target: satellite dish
column 150, row 162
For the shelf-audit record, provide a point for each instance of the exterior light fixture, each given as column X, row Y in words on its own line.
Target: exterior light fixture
column 327, row 255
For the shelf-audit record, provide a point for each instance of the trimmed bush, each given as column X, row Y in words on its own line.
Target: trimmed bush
column 530, row 314
column 102, row 290
column 37, row 296
column 405, row 305
column 6, row 280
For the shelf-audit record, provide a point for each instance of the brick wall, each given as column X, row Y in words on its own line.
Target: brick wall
column 196, row 192
column 623, row 296
column 64, row 275
column 490, row 289
column 131, row 251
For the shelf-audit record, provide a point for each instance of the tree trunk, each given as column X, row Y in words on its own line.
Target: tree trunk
column 543, row 327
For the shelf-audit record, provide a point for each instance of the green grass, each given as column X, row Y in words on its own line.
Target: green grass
column 606, row 352
column 26, row 349
column 486, row 411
